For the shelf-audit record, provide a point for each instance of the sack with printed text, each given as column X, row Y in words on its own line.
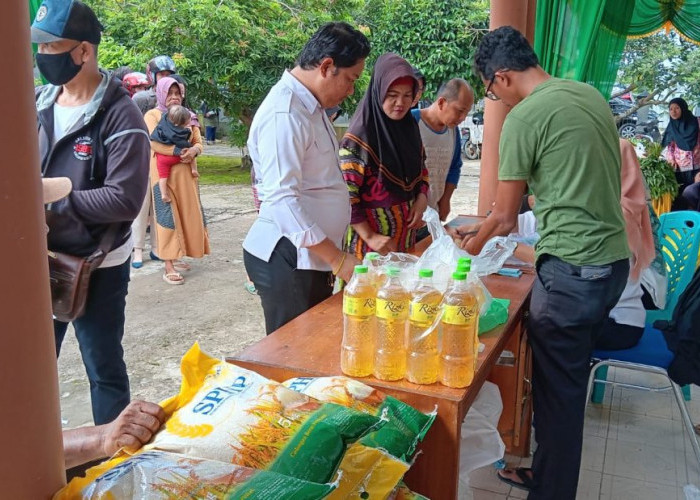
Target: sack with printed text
column 157, row 475
column 227, row 413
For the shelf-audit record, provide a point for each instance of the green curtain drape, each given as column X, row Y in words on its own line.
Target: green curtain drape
column 583, row 39
column 651, row 15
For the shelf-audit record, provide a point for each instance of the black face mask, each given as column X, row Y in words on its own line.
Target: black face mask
column 58, row 68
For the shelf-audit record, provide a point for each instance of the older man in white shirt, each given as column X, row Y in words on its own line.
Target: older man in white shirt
column 292, row 251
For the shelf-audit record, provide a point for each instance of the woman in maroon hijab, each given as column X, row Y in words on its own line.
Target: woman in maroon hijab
column 382, row 159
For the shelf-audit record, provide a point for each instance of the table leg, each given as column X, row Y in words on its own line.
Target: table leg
column 435, row 472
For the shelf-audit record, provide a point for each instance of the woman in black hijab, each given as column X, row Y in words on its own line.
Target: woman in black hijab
column 382, row 159
column 682, row 146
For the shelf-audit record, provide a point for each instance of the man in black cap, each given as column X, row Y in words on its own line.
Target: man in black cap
column 91, row 132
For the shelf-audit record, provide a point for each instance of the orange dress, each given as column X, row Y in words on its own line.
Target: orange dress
column 181, row 227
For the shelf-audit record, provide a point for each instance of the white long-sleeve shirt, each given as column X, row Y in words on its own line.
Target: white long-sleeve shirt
column 300, row 185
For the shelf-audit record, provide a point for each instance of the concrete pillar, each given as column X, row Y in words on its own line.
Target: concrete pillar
column 521, row 15
column 31, row 462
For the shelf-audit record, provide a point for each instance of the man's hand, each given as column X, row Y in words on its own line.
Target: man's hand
column 697, row 177
column 466, row 234
column 415, row 215
column 134, row 427
column 444, row 208
column 382, row 244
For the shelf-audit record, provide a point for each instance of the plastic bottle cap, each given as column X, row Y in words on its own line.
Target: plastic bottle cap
column 361, row 269
column 393, row 271
column 464, row 267
column 371, row 255
column 459, row 276
column 425, row 273
column 463, row 260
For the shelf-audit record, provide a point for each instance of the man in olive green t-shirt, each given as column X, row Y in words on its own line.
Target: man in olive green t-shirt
column 560, row 139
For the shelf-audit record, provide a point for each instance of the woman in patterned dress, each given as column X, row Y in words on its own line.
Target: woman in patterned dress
column 382, row 159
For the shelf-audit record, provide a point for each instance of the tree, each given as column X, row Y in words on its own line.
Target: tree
column 439, row 37
column 230, row 52
column 658, row 67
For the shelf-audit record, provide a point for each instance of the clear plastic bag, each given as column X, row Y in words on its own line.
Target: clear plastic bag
column 444, row 250
column 481, row 442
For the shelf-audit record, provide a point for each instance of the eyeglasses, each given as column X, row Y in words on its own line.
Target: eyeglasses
column 490, row 95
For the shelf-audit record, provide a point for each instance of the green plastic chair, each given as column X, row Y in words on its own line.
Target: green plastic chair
column 679, row 234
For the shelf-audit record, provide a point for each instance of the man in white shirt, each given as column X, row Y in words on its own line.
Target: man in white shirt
column 441, row 140
column 292, row 251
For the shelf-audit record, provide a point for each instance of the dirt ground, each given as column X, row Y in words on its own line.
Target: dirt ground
column 212, row 307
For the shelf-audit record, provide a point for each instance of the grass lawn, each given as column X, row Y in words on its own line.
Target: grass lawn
column 218, row 170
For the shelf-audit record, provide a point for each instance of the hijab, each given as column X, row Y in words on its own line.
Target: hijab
column 162, row 89
column 393, row 146
column 635, row 212
column 684, row 130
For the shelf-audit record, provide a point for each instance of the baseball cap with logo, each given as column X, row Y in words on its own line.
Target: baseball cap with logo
column 65, row 19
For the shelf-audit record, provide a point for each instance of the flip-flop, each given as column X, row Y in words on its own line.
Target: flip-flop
column 153, row 256
column 250, row 288
column 527, row 483
column 137, row 264
column 171, row 278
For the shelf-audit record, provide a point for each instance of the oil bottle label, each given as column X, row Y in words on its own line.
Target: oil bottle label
column 423, row 313
column 356, row 306
column 459, row 315
column 392, row 310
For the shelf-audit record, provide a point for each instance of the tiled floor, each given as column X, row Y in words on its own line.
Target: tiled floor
column 635, row 447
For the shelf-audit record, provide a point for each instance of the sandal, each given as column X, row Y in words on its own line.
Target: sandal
column 250, row 288
column 181, row 266
column 173, row 278
column 527, row 483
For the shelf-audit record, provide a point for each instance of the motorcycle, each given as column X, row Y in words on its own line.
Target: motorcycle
column 473, row 137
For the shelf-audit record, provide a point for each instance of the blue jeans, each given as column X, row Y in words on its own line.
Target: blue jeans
column 99, row 332
column 210, row 133
column 568, row 306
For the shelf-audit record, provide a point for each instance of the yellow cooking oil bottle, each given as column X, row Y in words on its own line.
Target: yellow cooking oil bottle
column 458, row 353
column 422, row 344
column 464, row 266
column 371, row 260
column 392, row 323
column 359, row 325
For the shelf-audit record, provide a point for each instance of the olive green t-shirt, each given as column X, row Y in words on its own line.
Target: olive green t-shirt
column 563, row 141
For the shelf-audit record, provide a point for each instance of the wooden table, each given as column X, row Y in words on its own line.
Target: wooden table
column 309, row 346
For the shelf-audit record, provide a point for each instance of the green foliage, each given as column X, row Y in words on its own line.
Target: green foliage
column 220, row 170
column 231, row 52
column 658, row 173
column 439, row 37
column 661, row 65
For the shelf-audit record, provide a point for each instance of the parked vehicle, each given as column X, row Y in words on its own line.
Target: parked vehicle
column 472, row 131
column 644, row 121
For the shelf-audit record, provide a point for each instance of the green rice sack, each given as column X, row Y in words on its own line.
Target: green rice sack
column 405, row 426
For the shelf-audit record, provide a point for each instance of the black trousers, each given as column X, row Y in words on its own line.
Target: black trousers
column 568, row 306
column 691, row 196
column 284, row 290
column 615, row 336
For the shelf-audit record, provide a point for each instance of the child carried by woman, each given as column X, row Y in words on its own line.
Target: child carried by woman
column 173, row 130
